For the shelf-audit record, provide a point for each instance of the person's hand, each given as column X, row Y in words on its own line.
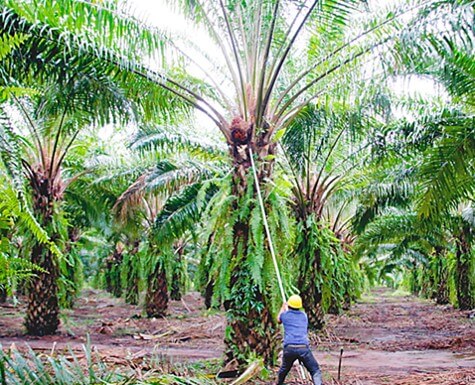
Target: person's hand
column 283, row 309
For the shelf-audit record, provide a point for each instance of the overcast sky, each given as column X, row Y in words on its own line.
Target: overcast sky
column 157, row 13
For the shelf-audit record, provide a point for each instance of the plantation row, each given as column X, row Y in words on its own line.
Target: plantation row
column 109, row 178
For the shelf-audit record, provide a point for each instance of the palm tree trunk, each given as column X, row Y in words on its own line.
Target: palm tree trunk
column 156, row 299
column 3, row 295
column 464, row 281
column 442, row 296
column 178, row 279
column 42, row 315
column 251, row 327
column 208, row 294
column 206, row 282
column 415, row 284
column 113, row 271
column 440, row 273
column 310, row 270
column 130, row 270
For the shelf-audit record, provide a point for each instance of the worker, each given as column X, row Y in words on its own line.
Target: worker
column 296, row 345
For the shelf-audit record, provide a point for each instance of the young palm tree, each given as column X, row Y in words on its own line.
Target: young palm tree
column 53, row 118
column 162, row 202
column 316, row 146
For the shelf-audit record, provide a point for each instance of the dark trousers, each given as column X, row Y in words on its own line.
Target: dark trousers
column 305, row 356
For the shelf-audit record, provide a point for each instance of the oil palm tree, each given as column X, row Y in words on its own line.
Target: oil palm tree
column 15, row 209
column 448, row 188
column 413, row 191
column 68, row 92
column 170, row 176
column 274, row 58
column 53, row 118
column 323, row 147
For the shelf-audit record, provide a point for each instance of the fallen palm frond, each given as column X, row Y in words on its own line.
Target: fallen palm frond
column 89, row 367
column 18, row 368
column 172, row 379
column 252, row 371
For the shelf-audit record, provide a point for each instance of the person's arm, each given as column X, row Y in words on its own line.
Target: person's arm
column 283, row 309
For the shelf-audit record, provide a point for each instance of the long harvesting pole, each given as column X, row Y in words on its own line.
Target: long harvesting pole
column 271, row 245
column 266, row 226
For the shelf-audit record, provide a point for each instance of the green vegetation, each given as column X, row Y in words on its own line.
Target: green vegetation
column 362, row 185
column 89, row 368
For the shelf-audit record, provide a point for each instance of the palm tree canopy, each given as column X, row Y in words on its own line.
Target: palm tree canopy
column 274, row 57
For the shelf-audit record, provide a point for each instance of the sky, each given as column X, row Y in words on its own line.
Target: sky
column 158, row 13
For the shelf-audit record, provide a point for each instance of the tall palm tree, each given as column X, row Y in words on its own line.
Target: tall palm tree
column 274, row 58
column 68, row 92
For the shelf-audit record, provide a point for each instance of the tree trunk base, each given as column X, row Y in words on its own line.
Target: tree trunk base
column 253, row 333
column 156, row 300
column 3, row 295
column 42, row 315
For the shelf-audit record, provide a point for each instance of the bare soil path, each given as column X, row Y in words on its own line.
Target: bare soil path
column 388, row 338
column 116, row 329
column 391, row 338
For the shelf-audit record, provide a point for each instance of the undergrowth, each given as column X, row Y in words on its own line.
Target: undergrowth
column 89, row 368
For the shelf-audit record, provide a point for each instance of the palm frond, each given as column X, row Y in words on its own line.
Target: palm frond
column 165, row 178
column 449, row 168
column 10, row 150
column 22, row 216
column 181, row 213
column 389, row 228
column 57, row 46
column 377, row 197
column 171, row 139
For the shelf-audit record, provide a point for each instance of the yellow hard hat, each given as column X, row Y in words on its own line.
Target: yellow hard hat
column 295, row 301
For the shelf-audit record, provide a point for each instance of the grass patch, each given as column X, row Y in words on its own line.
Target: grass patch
column 400, row 293
column 367, row 298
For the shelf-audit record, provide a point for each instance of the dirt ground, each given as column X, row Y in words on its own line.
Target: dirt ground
column 387, row 338
column 390, row 338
